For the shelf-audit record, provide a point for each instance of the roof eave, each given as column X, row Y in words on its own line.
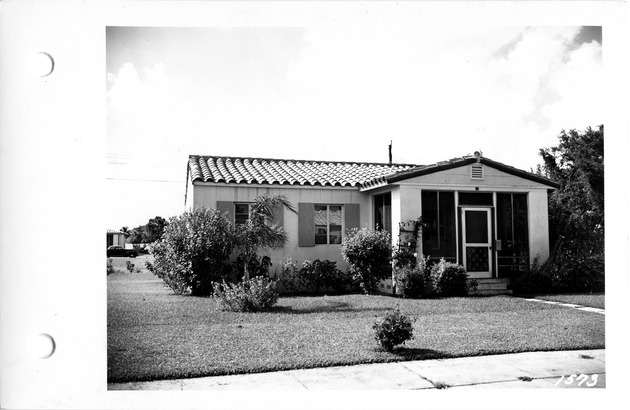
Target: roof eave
column 467, row 161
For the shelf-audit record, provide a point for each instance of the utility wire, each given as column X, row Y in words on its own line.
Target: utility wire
column 144, row 180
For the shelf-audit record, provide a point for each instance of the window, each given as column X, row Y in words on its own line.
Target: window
column 475, row 198
column 241, row 213
column 328, row 224
column 383, row 212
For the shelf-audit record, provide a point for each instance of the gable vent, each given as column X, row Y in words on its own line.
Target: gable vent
column 476, row 172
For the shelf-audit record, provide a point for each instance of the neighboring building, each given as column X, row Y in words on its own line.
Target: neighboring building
column 488, row 216
column 115, row 238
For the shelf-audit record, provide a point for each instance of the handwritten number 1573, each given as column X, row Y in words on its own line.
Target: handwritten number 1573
column 578, row 379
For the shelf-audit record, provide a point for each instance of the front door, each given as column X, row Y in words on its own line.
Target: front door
column 477, row 242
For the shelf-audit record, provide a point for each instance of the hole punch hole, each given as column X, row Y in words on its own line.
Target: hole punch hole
column 42, row 64
column 43, row 346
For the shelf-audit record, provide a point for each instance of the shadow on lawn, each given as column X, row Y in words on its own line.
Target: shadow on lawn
column 330, row 307
column 419, row 354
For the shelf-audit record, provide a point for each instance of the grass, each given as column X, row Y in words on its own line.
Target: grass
column 155, row 334
column 595, row 300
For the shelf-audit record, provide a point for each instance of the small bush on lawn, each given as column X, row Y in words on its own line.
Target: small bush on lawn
column 411, row 280
column 131, row 268
column 450, row 279
column 193, row 251
column 368, row 252
column 323, row 275
column 252, row 295
column 393, row 330
column 110, row 267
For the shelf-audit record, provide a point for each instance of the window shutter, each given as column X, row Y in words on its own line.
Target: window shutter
column 226, row 207
column 352, row 216
column 306, row 224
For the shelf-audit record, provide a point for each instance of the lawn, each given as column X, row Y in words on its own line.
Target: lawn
column 155, row 334
column 595, row 300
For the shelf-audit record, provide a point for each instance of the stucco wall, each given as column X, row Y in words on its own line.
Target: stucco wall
column 208, row 195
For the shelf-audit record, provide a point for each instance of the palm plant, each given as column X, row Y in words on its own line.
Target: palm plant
column 261, row 230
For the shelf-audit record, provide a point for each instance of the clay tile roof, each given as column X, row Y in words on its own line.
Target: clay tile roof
column 326, row 173
column 290, row 172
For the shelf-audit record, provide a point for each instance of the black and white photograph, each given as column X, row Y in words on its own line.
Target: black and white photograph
column 355, row 199
column 376, row 199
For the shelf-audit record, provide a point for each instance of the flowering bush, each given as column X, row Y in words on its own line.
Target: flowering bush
column 193, row 251
column 248, row 296
column 393, row 330
column 450, row 279
column 368, row 252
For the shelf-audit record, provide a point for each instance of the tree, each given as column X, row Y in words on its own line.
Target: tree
column 136, row 234
column 154, row 229
column 148, row 233
column 125, row 230
column 576, row 209
column 261, row 231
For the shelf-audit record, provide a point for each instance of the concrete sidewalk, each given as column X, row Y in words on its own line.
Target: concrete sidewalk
column 519, row 370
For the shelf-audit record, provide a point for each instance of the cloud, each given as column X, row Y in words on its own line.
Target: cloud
column 437, row 92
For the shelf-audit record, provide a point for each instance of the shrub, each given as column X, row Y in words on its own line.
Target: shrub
column 449, row 279
column 257, row 265
column 323, row 275
column 289, row 279
column 532, row 281
column 131, row 268
column 368, row 252
column 410, row 281
column 564, row 272
column 393, row 330
column 572, row 269
column 251, row 295
column 193, row 251
column 110, row 266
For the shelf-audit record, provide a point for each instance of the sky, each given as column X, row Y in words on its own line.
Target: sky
column 335, row 94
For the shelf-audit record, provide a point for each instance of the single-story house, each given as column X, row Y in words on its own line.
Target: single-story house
column 490, row 217
column 115, row 238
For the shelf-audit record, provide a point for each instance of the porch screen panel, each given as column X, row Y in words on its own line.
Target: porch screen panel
column 438, row 213
column 512, row 232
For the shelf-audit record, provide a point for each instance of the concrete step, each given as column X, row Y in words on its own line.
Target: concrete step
column 493, row 280
column 489, row 292
column 492, row 286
